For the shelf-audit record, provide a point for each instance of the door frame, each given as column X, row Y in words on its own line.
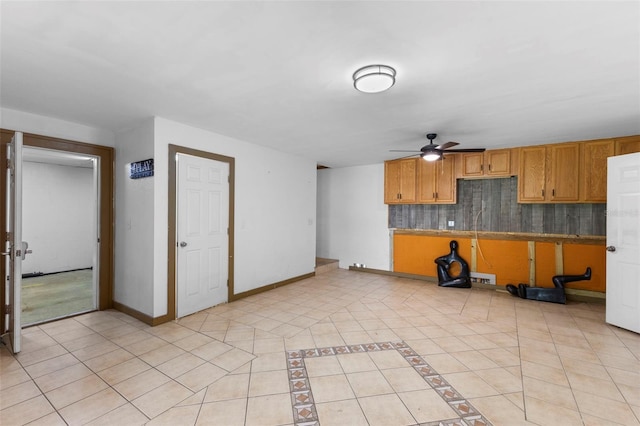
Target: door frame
column 106, row 188
column 172, row 226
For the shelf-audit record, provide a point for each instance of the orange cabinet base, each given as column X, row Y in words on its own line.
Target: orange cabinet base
column 526, row 259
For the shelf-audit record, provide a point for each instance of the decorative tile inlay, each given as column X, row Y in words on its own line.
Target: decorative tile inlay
column 304, row 409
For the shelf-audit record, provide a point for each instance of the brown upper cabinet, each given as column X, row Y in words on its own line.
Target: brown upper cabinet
column 532, row 174
column 570, row 172
column 492, row 163
column 627, row 145
column 437, row 181
column 593, row 170
column 549, row 173
column 400, row 181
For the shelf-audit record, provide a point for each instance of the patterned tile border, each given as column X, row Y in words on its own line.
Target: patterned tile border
column 304, row 408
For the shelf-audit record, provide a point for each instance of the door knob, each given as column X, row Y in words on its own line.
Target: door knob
column 611, row 248
column 183, row 244
column 25, row 250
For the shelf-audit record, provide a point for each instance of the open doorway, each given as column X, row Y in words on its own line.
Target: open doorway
column 60, row 206
column 103, row 276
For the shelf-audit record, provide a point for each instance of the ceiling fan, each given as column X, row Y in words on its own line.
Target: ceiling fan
column 433, row 152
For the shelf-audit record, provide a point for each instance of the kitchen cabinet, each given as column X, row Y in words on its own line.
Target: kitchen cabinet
column 549, row 173
column 532, row 174
column 564, row 172
column 627, row 145
column 400, row 181
column 437, row 181
column 593, row 170
column 492, row 163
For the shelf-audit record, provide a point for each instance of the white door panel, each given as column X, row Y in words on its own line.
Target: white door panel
column 15, row 248
column 623, row 241
column 202, row 224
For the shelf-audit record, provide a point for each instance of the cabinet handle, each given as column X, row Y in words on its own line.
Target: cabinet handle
column 489, row 167
column 553, row 192
column 482, row 167
column 543, row 192
column 436, row 196
column 399, row 196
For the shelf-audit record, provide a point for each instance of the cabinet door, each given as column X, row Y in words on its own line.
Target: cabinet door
column 498, row 162
column 408, row 173
column 564, row 172
column 391, row 182
column 446, row 180
column 400, row 181
column 472, row 164
column 593, row 170
column 531, row 176
column 427, row 181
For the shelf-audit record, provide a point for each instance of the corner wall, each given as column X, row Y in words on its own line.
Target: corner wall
column 352, row 216
column 134, row 286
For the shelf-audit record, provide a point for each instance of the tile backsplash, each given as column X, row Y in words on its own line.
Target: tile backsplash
column 491, row 205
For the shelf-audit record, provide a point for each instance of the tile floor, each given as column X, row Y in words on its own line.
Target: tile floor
column 341, row 348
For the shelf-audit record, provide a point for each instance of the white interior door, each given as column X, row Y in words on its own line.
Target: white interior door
column 623, row 241
column 202, row 233
column 15, row 249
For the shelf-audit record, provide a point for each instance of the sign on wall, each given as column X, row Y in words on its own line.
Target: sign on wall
column 141, row 169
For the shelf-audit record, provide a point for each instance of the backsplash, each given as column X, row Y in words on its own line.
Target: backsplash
column 492, row 204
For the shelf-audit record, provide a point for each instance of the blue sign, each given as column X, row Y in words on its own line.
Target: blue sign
column 141, row 169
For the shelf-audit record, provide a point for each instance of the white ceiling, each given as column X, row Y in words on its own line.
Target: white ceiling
column 485, row 74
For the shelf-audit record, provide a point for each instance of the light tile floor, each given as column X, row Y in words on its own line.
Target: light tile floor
column 341, row 348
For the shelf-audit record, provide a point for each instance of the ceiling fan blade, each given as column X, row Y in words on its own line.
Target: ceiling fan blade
column 404, row 150
column 447, row 145
column 467, row 150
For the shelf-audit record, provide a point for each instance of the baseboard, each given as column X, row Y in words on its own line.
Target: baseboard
column 270, row 286
column 147, row 319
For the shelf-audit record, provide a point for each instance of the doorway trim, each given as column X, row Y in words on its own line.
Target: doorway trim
column 106, row 221
column 172, row 225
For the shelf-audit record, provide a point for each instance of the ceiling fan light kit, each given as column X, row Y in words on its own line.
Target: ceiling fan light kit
column 374, row 78
column 433, row 152
column 431, row 156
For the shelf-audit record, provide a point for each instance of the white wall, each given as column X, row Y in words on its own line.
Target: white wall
column 352, row 216
column 275, row 208
column 134, row 230
column 58, row 217
column 46, row 126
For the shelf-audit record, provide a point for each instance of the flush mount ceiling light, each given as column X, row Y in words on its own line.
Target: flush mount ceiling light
column 374, row 78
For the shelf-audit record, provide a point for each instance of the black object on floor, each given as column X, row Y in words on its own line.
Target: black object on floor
column 445, row 279
column 545, row 294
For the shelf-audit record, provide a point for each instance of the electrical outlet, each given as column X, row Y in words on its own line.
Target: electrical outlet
column 451, row 224
column 478, row 277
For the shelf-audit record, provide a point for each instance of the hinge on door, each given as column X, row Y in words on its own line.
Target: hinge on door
column 7, row 309
column 8, row 162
